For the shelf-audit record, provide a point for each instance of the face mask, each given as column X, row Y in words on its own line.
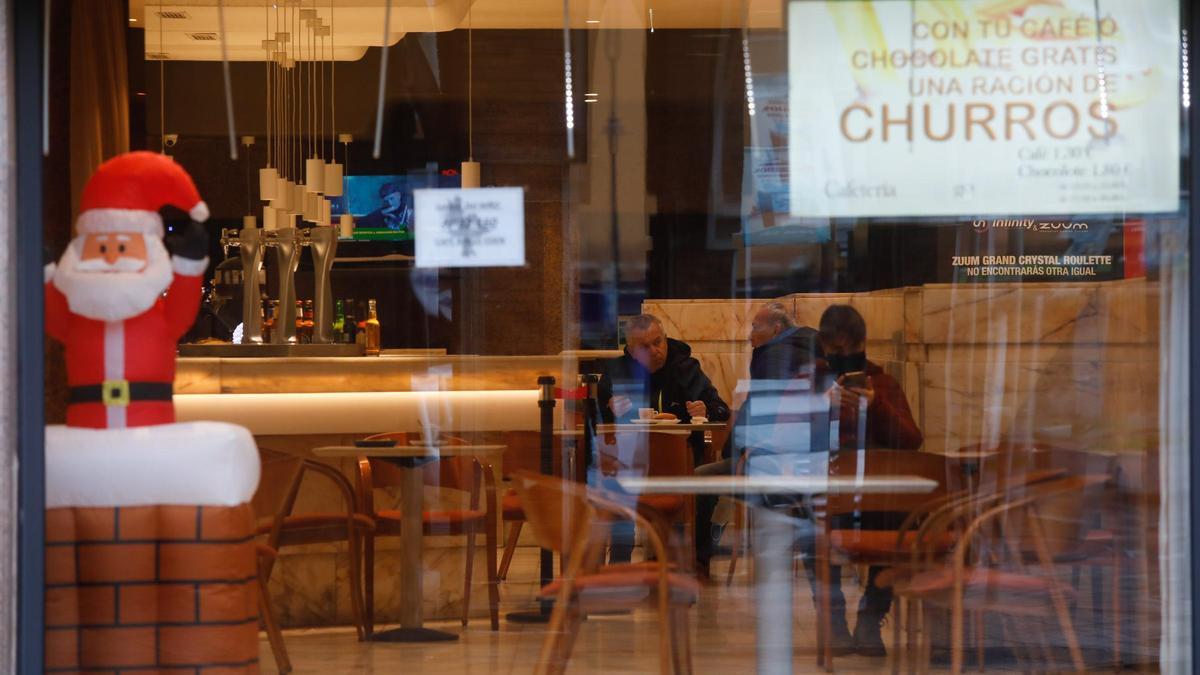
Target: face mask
column 846, row 363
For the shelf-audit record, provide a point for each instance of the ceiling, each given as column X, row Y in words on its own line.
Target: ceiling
column 190, row 30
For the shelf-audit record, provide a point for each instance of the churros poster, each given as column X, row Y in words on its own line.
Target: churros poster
column 952, row 107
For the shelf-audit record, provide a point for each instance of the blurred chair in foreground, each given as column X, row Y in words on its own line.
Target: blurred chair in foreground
column 275, row 502
column 574, row 522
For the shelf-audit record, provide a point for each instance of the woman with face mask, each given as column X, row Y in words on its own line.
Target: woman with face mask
column 843, row 337
column 861, row 386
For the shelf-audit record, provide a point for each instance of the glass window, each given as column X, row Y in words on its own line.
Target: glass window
column 799, row 335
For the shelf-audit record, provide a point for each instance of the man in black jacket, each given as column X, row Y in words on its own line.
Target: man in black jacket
column 781, row 350
column 654, row 372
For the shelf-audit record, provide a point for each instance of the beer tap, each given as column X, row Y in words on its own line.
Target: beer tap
column 322, row 242
column 287, row 243
column 249, row 243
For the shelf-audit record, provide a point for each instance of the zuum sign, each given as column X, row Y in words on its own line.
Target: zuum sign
column 477, row 227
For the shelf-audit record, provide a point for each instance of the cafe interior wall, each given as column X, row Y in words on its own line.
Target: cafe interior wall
column 517, row 116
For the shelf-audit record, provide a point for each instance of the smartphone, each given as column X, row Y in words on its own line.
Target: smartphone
column 856, row 380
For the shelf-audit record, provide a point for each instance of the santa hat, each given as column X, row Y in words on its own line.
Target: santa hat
column 126, row 192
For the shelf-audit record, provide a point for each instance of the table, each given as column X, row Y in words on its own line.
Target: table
column 773, row 537
column 682, row 426
column 410, row 458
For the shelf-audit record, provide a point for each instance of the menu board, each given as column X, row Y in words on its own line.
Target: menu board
column 983, row 107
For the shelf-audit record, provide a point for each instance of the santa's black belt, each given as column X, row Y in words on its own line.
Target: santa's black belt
column 120, row 392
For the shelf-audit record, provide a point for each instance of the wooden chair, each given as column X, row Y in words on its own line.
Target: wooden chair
column 656, row 454
column 1096, row 547
column 523, row 451
column 927, row 535
column 573, row 521
column 868, row 547
column 275, row 501
column 283, row 664
column 989, row 570
column 472, row 475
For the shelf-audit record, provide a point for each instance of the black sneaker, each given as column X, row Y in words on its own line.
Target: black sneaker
column 867, row 638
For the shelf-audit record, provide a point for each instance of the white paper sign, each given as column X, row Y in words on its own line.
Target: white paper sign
column 951, row 107
column 475, row 227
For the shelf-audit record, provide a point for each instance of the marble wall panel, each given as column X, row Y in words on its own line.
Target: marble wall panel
column 726, row 320
column 302, row 589
column 883, row 311
column 1078, row 313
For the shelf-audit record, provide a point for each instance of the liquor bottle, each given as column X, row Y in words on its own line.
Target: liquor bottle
column 299, row 321
column 265, row 310
column 309, row 324
column 350, row 326
column 361, row 336
column 372, row 329
column 269, row 322
column 339, row 320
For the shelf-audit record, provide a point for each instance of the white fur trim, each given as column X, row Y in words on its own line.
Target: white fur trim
column 94, row 221
column 188, row 267
column 48, row 272
column 117, row 295
column 195, row 463
column 199, row 212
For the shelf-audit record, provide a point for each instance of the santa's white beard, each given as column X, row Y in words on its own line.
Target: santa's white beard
column 113, row 296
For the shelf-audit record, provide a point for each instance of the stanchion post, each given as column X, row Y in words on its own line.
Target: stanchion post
column 546, row 404
column 546, row 407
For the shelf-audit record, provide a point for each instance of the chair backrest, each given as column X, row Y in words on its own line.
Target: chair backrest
column 523, row 451
column 1067, row 518
column 1041, row 519
column 457, row 473
column 560, row 516
column 639, row 453
column 278, row 483
column 852, row 463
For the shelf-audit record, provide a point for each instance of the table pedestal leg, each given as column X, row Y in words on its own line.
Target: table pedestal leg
column 411, row 572
column 773, row 535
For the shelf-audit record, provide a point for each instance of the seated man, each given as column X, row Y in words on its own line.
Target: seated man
column 888, row 424
column 781, row 350
column 654, row 372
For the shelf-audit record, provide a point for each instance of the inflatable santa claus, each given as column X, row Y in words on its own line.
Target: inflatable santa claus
column 118, row 300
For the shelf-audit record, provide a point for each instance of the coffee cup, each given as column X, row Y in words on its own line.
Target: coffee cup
column 645, row 413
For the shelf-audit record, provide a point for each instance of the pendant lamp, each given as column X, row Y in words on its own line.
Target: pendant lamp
column 333, row 179
column 284, row 195
column 469, row 175
column 312, row 207
column 314, row 175
column 269, row 213
column 268, row 179
column 268, row 176
column 346, row 226
column 333, row 170
column 299, row 199
column 249, row 223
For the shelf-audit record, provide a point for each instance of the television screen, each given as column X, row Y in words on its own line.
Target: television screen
column 382, row 206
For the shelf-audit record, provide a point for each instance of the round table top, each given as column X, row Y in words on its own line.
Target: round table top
column 777, row 484
column 415, row 451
